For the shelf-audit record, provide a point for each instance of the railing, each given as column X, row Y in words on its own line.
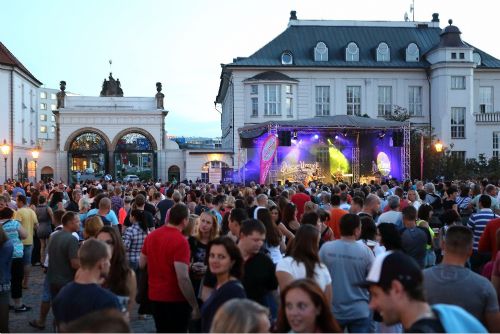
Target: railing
column 489, row 117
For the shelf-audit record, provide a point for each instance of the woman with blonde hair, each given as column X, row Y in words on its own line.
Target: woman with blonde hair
column 92, row 226
column 241, row 316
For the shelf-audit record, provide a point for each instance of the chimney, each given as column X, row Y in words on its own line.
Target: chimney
column 435, row 17
column 293, row 15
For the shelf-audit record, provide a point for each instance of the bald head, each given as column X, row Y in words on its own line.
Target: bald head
column 105, row 204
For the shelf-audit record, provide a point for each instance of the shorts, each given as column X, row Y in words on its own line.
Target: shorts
column 46, row 291
column 27, row 249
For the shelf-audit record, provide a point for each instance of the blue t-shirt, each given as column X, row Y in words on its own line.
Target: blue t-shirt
column 111, row 216
column 76, row 300
column 11, row 228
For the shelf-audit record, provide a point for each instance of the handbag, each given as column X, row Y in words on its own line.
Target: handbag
column 142, row 286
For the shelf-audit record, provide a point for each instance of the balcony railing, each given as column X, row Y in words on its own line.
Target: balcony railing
column 488, row 118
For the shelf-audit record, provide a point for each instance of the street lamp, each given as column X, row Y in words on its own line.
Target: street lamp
column 35, row 154
column 5, row 151
column 439, row 146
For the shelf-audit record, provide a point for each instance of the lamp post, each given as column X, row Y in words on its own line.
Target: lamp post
column 35, row 154
column 439, row 149
column 5, row 151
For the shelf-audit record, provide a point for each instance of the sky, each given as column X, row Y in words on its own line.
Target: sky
column 183, row 43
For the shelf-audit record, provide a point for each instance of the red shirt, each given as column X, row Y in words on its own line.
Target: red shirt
column 488, row 241
column 300, row 199
column 163, row 247
column 334, row 222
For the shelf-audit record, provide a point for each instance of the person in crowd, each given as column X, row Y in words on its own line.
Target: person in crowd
column 390, row 238
column 424, row 215
column 45, row 218
column 274, row 242
column 124, row 211
column 392, row 214
column 336, row 214
column 325, row 231
column 300, row 199
column 302, row 261
column 167, row 256
column 450, row 202
column 395, row 282
column 236, row 217
column 92, row 227
column 6, row 253
column 225, row 262
column 414, row 239
column 368, row 235
column 56, row 201
column 276, row 219
column 104, row 211
column 325, row 200
column 166, row 204
column 442, row 282
column 289, row 218
column 16, row 234
column 371, row 206
column 488, row 241
column 83, row 207
column 241, row 316
column 477, row 223
column 414, row 198
column 62, row 250
column 356, row 205
column 108, row 320
column 94, row 257
column 208, row 230
column 348, row 261
column 27, row 218
column 121, row 278
column 304, row 309
column 117, row 202
column 72, row 205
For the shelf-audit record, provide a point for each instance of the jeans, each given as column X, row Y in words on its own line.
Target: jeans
column 27, row 249
column 171, row 317
column 355, row 325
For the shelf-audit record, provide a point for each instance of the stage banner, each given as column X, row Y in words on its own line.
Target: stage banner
column 227, row 175
column 267, row 155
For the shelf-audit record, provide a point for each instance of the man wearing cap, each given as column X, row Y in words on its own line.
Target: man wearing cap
column 396, row 287
column 477, row 295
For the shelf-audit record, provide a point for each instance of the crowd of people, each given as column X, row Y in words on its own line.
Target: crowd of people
column 392, row 257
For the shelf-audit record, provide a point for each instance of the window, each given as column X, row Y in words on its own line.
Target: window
column 384, row 100
column 255, row 106
column 43, row 117
column 383, row 52
column 53, row 96
column 43, row 95
column 458, row 155
column 412, row 53
column 462, row 55
column 43, row 129
column 354, row 100
column 322, row 154
column 255, row 89
column 272, row 99
column 53, row 107
column 289, row 106
column 415, row 101
column 352, row 52
column 43, row 106
column 321, row 52
column 52, row 129
column 496, row 146
column 476, row 58
column 288, row 89
column 485, row 99
column 458, row 82
column 287, row 58
column 453, row 55
column 52, row 118
column 457, row 122
column 322, row 100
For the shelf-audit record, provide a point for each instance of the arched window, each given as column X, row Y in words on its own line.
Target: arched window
column 383, row 52
column 352, row 52
column 19, row 169
column 87, row 157
column 412, row 53
column 287, row 58
column 174, row 173
column 321, row 52
column 476, row 57
column 134, row 155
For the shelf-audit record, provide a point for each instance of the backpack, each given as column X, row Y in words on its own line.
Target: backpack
column 105, row 220
column 437, row 204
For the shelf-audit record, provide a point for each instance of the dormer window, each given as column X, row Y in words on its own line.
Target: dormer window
column 287, row 58
column 476, row 57
column 352, row 52
column 412, row 53
column 383, row 52
column 321, row 52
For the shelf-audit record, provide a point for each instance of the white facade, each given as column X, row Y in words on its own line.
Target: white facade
column 443, row 85
column 46, row 119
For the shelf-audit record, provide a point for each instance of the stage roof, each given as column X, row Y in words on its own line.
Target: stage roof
column 344, row 122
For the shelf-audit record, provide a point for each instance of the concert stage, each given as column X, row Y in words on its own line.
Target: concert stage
column 327, row 149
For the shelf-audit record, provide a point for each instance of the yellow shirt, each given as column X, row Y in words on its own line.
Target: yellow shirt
column 28, row 220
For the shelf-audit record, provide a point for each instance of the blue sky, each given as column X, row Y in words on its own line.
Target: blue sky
column 183, row 43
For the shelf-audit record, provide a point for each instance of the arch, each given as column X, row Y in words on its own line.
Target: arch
column 321, row 52
column 352, row 52
column 46, row 173
column 20, row 169
column 287, row 57
column 47, row 170
column 174, row 172
column 383, row 52
column 125, row 132
column 81, row 131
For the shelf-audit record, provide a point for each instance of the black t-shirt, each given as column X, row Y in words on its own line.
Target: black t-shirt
column 426, row 325
column 448, row 204
column 72, row 206
column 163, row 206
column 259, row 277
column 147, row 214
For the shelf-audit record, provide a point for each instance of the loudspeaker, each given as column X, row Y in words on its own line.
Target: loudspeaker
column 284, row 138
column 246, row 143
column 397, row 139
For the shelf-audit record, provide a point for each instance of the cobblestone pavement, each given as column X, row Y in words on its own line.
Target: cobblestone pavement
column 18, row 322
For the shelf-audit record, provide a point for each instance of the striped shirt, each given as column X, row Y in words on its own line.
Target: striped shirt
column 477, row 223
column 133, row 240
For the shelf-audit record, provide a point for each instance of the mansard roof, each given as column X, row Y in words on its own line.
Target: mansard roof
column 7, row 58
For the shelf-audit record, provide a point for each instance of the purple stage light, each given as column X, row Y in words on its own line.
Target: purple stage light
column 316, row 137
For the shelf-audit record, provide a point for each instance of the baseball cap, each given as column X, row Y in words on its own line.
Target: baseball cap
column 393, row 265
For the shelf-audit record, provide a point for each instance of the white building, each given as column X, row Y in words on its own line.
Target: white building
column 46, row 118
column 325, row 68
column 18, row 114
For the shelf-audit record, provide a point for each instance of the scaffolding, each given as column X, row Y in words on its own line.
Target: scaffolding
column 273, row 171
column 405, row 152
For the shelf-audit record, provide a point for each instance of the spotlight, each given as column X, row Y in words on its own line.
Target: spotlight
column 295, row 135
column 345, row 133
column 381, row 134
column 316, row 137
column 336, row 137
